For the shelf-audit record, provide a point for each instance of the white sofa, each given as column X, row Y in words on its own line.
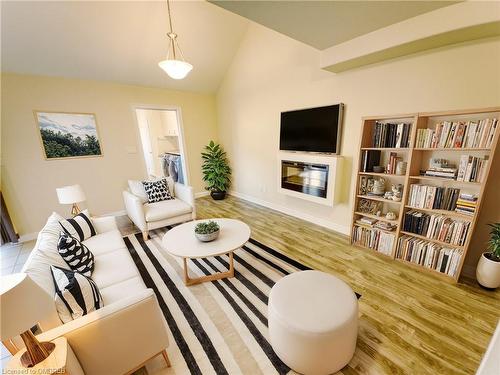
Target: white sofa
column 148, row 216
column 129, row 329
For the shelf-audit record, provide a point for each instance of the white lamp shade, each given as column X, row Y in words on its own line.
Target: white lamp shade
column 70, row 194
column 22, row 304
column 176, row 69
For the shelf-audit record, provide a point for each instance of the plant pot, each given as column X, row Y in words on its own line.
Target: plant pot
column 488, row 271
column 208, row 236
column 218, row 195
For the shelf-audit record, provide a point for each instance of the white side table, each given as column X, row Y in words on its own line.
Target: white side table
column 61, row 361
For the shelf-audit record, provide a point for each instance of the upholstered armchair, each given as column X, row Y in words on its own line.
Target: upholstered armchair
column 147, row 216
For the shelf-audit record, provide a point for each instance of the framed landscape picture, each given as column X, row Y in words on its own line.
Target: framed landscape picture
column 68, row 135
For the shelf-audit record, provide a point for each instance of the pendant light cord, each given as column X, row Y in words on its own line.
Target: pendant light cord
column 171, row 35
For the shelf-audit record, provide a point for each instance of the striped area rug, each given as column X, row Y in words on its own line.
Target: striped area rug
column 220, row 326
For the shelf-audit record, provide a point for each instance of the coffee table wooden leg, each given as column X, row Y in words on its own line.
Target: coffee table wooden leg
column 186, row 277
column 231, row 265
column 217, row 276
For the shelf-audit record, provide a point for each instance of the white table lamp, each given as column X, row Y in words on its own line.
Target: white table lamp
column 23, row 305
column 72, row 194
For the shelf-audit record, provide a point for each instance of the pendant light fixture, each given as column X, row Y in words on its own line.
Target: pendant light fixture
column 174, row 67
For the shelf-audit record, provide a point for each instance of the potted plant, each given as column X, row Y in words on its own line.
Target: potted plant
column 216, row 170
column 207, row 231
column 488, row 267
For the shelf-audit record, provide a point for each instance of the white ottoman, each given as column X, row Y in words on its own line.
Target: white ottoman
column 313, row 322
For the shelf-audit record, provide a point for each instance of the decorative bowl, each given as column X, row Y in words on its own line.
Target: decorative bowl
column 378, row 169
column 208, row 236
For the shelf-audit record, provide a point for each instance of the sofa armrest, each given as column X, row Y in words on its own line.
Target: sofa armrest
column 118, row 337
column 104, row 224
column 135, row 210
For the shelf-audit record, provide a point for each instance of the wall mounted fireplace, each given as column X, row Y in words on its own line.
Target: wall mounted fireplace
column 303, row 177
column 309, row 176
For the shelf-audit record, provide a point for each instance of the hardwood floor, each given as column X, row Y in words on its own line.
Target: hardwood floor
column 410, row 322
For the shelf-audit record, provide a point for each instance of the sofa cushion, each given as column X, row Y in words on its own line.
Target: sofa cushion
column 157, row 191
column 165, row 209
column 79, row 226
column 122, row 289
column 78, row 257
column 105, row 242
column 76, row 295
column 113, row 267
column 137, row 188
column 45, row 254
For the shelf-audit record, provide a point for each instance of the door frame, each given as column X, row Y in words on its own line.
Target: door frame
column 180, row 125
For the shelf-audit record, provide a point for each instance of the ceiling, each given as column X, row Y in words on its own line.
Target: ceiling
column 323, row 24
column 119, row 41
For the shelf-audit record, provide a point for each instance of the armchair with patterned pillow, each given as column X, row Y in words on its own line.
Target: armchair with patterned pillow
column 150, row 206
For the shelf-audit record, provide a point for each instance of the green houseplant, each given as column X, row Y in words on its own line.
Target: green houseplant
column 207, row 231
column 216, row 170
column 488, row 267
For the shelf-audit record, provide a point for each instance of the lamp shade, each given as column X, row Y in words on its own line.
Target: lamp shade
column 70, row 194
column 22, row 304
column 176, row 69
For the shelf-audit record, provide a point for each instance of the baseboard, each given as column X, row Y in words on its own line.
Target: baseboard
column 28, row 237
column 469, row 271
column 201, row 194
column 300, row 215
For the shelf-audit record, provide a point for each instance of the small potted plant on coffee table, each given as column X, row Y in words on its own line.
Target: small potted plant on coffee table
column 488, row 267
column 207, row 231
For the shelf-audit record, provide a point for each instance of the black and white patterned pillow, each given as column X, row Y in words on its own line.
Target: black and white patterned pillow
column 78, row 256
column 79, row 227
column 76, row 295
column 157, row 191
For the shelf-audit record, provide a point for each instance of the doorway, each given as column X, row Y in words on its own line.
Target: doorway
column 162, row 141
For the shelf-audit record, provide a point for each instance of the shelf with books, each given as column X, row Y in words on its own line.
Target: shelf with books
column 370, row 250
column 435, row 178
column 374, row 228
column 452, row 149
column 379, row 199
column 464, row 153
column 442, row 212
column 381, row 218
column 440, row 243
column 382, row 174
column 386, row 148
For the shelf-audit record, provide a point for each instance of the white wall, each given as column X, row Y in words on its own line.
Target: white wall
column 29, row 181
column 272, row 73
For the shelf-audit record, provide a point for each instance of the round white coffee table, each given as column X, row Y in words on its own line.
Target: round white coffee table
column 180, row 241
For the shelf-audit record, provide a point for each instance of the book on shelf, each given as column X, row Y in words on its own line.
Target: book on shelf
column 429, row 255
column 373, row 239
column 472, row 168
column 369, row 159
column 466, row 204
column 393, row 161
column 458, row 134
column 433, row 197
column 391, row 135
column 436, row 227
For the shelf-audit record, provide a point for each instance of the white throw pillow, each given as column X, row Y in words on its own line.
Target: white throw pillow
column 137, row 188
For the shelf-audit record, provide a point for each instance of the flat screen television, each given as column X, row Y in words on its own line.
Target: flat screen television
column 312, row 130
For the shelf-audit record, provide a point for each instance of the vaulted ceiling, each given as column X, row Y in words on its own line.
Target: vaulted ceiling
column 120, row 41
column 323, row 24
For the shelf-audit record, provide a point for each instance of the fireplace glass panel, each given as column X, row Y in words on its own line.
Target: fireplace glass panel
column 306, row 178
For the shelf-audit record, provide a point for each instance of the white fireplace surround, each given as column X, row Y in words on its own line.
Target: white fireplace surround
column 334, row 163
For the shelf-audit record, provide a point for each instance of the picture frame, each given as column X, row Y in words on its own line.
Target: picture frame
column 66, row 135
